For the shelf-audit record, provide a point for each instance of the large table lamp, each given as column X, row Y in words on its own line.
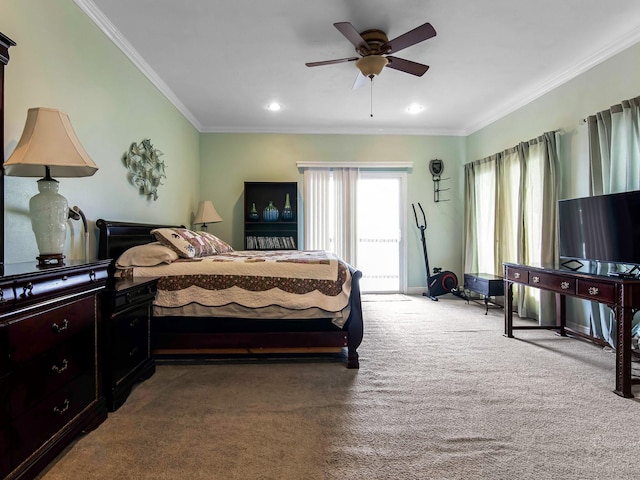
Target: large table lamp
column 49, row 147
column 206, row 214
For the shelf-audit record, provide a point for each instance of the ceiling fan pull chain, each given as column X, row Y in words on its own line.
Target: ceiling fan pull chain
column 371, row 101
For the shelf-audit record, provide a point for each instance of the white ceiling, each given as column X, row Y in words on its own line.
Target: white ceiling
column 222, row 61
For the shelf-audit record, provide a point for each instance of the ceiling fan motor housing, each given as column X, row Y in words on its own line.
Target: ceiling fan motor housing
column 375, row 39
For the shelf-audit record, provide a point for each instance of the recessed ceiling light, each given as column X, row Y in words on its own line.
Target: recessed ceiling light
column 415, row 109
column 274, row 106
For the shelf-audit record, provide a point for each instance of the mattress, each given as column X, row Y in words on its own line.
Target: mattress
column 253, row 284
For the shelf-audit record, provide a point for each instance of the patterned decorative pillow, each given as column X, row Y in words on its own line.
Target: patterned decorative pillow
column 220, row 246
column 180, row 240
column 190, row 244
column 148, row 255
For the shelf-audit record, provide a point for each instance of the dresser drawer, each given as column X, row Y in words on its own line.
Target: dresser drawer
column 4, row 349
column 4, row 400
column 130, row 340
column 600, row 291
column 143, row 293
column 51, row 371
column 548, row 281
column 47, row 285
column 32, row 335
column 48, row 417
column 517, row 274
column 5, row 452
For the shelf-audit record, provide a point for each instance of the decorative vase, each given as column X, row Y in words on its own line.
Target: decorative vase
column 49, row 212
column 287, row 212
column 253, row 214
column 270, row 213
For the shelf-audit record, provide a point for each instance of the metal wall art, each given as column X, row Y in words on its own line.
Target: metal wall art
column 146, row 170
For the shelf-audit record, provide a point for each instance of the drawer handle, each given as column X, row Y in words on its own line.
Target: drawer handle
column 536, row 279
column 65, row 407
column 134, row 323
column 57, row 328
column 594, row 290
column 2, row 300
column 564, row 285
column 150, row 289
column 127, row 297
column 516, row 275
column 92, row 275
column 133, row 351
column 62, row 368
column 27, row 290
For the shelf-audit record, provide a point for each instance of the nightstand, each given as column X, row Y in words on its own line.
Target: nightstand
column 50, row 378
column 127, row 337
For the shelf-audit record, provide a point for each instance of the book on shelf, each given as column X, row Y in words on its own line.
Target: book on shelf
column 270, row 243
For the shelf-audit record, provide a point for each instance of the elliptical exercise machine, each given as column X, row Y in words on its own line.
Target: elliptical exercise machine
column 442, row 281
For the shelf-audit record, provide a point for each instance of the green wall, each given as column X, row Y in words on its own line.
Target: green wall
column 228, row 160
column 606, row 84
column 62, row 60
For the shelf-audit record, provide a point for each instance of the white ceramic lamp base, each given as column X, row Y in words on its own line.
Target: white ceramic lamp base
column 49, row 211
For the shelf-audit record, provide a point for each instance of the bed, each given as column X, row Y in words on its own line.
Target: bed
column 183, row 329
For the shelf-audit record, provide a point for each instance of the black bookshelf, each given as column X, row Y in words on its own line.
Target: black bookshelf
column 260, row 233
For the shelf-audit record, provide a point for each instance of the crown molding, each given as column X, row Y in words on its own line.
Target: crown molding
column 99, row 18
column 622, row 43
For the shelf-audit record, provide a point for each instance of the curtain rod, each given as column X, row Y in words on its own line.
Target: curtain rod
column 370, row 165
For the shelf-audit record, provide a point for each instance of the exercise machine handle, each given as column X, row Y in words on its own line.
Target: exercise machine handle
column 424, row 218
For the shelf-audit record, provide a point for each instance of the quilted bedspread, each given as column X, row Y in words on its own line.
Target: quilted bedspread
column 287, row 278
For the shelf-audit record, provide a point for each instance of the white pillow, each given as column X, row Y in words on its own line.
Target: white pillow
column 148, row 255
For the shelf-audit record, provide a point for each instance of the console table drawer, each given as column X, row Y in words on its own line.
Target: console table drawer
column 518, row 275
column 601, row 292
column 557, row 283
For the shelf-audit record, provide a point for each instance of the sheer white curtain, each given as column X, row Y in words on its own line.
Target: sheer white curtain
column 510, row 213
column 330, row 200
column 317, row 197
column 614, row 161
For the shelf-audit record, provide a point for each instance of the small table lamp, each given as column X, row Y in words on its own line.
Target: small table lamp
column 206, row 214
column 49, row 145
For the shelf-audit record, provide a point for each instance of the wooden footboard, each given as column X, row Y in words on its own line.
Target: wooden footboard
column 190, row 336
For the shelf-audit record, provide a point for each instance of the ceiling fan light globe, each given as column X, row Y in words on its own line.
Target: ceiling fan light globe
column 371, row 65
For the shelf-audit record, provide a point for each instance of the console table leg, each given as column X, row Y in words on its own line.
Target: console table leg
column 508, row 309
column 561, row 314
column 624, row 316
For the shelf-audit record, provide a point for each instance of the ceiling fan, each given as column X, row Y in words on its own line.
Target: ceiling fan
column 375, row 48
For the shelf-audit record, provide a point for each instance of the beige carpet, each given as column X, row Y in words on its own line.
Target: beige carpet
column 440, row 394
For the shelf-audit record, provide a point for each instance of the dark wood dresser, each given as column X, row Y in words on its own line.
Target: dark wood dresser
column 50, row 380
column 128, row 341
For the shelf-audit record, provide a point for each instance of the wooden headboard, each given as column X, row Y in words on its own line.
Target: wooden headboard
column 116, row 237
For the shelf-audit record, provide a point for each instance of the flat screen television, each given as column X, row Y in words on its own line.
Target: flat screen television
column 605, row 228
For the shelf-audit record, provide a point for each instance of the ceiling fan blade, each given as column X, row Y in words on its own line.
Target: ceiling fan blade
column 348, row 30
column 360, row 81
column 407, row 66
column 331, row 62
column 417, row 35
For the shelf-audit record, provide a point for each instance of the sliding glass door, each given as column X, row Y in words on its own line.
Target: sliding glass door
column 380, row 229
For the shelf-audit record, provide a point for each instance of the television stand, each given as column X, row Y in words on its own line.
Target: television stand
column 620, row 293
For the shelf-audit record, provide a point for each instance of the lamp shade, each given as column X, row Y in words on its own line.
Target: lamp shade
column 371, row 65
column 206, row 213
column 48, row 140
